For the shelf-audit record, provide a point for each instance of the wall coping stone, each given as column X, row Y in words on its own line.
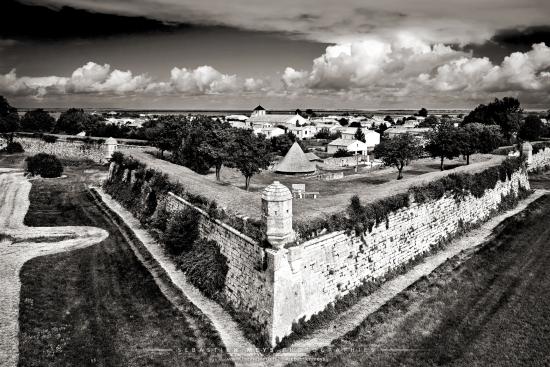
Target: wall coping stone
column 217, row 221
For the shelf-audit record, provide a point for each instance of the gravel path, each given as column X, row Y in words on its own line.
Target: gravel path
column 241, row 350
column 244, row 353
column 18, row 244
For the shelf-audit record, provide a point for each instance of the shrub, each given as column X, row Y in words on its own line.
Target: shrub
column 49, row 138
column 13, row 147
column 181, row 232
column 361, row 218
column 342, row 153
column 205, row 267
column 45, row 165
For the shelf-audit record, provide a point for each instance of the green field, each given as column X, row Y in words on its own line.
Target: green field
column 99, row 306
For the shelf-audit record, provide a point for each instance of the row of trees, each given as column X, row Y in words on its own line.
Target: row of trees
column 72, row 121
column 202, row 143
column 444, row 141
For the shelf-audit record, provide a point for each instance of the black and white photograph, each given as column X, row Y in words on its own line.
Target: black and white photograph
column 274, row 183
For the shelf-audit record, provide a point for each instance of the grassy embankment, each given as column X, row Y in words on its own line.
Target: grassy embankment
column 488, row 309
column 99, row 306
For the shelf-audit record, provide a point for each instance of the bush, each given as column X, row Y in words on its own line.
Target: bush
column 49, row 138
column 45, row 165
column 361, row 218
column 13, row 147
column 182, row 231
column 205, row 267
column 342, row 153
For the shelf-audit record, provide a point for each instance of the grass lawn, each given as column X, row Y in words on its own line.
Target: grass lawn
column 334, row 195
column 490, row 309
column 99, row 306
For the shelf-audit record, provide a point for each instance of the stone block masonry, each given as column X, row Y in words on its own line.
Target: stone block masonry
column 74, row 150
column 249, row 280
column 540, row 160
column 310, row 276
column 282, row 285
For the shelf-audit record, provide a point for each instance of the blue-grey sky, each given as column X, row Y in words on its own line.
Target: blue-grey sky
column 216, row 54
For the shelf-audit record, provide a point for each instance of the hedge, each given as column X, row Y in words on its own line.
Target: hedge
column 361, row 218
column 134, row 199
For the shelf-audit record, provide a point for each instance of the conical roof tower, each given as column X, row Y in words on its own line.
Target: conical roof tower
column 295, row 161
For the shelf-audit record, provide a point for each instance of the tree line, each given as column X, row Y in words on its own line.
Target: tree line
column 201, row 143
column 70, row 122
column 481, row 131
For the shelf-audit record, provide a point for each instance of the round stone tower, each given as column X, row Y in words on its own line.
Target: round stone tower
column 527, row 152
column 277, row 212
column 110, row 148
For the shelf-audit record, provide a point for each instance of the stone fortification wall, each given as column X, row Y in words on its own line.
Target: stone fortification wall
column 65, row 149
column 310, row 276
column 541, row 160
column 249, row 281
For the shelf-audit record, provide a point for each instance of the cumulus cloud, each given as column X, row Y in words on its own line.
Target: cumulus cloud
column 406, row 70
column 93, row 78
column 411, row 68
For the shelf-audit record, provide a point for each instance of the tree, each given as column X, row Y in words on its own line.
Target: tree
column 249, row 153
column 214, row 147
column 398, row 152
column 76, row 120
column 423, row 112
column 37, row 120
column 444, row 142
column 360, row 135
column 381, row 128
column 281, row 144
column 165, row 133
column 531, row 129
column 389, row 119
column 343, row 121
column 478, row 138
column 9, row 119
column 505, row 113
column 45, row 165
column 429, row 121
column 192, row 134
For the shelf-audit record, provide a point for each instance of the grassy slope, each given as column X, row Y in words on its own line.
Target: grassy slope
column 99, row 306
column 492, row 309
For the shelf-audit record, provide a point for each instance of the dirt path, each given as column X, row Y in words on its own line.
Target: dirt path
column 347, row 321
column 18, row 244
column 241, row 350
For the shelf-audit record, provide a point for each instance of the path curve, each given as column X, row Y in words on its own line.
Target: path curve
column 18, row 244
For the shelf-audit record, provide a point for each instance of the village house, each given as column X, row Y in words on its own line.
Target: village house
column 350, row 145
column 261, row 119
column 302, row 132
column 372, row 138
column 269, row 132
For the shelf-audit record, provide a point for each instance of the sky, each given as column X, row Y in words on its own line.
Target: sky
column 218, row 54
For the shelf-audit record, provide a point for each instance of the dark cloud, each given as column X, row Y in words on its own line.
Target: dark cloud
column 23, row 21
column 507, row 41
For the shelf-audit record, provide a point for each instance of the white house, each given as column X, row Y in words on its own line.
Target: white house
column 269, row 120
column 372, row 138
column 269, row 132
column 354, row 146
column 302, row 132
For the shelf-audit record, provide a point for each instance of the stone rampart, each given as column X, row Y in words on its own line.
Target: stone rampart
column 315, row 273
column 249, row 281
